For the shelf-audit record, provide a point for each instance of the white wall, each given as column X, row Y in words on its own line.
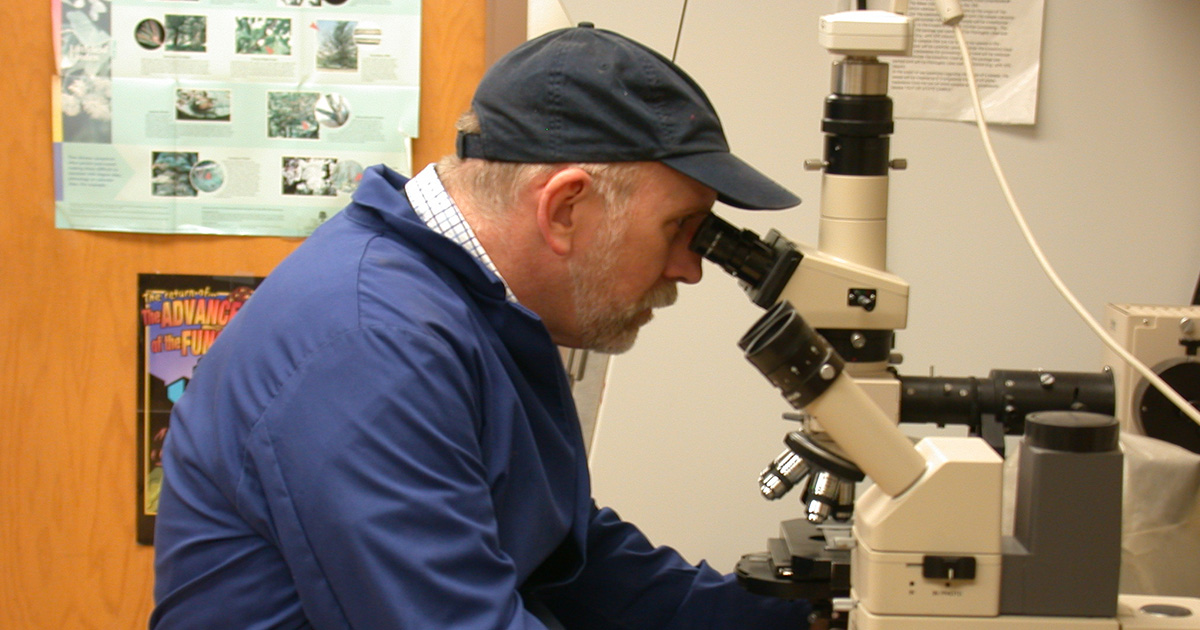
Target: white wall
column 542, row 16
column 1108, row 178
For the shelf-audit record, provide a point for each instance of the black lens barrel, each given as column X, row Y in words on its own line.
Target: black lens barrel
column 740, row 253
column 856, row 134
column 792, row 356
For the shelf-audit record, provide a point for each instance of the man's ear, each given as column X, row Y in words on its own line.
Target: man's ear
column 558, row 207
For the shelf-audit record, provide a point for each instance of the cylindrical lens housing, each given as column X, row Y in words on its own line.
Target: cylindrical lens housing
column 740, row 253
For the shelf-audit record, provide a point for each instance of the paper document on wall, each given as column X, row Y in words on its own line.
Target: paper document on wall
column 1005, row 40
column 248, row 117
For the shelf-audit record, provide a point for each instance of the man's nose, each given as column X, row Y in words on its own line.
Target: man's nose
column 684, row 265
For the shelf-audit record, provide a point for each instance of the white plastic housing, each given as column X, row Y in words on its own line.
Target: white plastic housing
column 862, row 619
column 1152, row 334
column 953, row 510
column 854, row 210
column 819, row 290
column 1154, row 612
column 892, row 583
column 961, row 490
column 867, row 436
column 866, row 33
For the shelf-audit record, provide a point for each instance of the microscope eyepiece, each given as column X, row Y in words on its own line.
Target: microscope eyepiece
column 739, row 252
column 796, row 359
column 763, row 266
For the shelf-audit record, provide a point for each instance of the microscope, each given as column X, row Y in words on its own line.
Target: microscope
column 922, row 547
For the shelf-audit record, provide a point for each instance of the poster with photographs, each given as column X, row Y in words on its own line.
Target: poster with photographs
column 254, row 117
column 179, row 318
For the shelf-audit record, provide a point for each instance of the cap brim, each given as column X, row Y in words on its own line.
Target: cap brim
column 737, row 183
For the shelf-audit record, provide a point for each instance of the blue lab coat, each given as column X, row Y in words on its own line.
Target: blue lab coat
column 379, row 439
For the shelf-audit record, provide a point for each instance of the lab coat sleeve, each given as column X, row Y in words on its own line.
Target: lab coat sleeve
column 376, row 489
column 630, row 584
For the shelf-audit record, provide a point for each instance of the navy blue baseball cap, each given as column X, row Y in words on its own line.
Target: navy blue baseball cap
column 585, row 94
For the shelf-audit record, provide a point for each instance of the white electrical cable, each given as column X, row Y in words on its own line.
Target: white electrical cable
column 1161, row 385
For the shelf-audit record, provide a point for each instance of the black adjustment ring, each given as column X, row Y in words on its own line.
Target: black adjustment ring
column 1160, row 418
column 819, row 457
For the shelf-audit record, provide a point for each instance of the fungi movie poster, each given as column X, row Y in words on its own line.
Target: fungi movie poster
column 179, row 318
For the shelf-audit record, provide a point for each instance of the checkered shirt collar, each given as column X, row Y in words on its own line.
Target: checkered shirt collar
column 435, row 207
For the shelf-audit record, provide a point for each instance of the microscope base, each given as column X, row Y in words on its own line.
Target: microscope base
column 861, row 619
column 1135, row 612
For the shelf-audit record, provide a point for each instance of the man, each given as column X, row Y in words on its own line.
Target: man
column 384, row 437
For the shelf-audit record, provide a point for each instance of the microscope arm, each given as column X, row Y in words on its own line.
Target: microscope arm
column 810, row 375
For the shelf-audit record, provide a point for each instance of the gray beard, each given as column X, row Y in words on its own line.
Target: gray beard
column 603, row 325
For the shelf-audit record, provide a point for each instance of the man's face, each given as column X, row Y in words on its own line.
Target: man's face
column 636, row 259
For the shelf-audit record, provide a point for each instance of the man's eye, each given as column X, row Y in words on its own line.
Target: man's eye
column 685, row 220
